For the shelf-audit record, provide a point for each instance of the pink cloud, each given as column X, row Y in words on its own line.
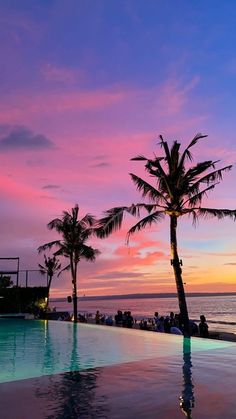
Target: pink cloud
column 173, row 96
column 65, row 75
column 22, row 107
column 168, row 99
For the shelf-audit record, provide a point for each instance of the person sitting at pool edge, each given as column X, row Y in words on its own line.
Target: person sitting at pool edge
column 203, row 327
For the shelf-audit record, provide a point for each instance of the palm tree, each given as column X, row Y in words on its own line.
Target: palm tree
column 178, row 191
column 75, row 233
column 50, row 267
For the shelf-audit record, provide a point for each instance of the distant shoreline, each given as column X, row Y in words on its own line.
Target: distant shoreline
column 146, row 295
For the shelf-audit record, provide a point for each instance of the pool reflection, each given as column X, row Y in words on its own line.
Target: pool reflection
column 71, row 395
column 187, row 399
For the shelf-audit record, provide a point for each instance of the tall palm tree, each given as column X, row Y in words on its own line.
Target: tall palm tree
column 178, row 190
column 50, row 267
column 75, row 234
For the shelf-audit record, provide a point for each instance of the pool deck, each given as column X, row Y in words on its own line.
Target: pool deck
column 142, row 389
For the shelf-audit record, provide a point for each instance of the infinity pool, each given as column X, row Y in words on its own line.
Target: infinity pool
column 57, row 370
column 34, row 348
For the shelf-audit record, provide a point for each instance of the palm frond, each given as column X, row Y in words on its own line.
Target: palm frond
column 164, row 145
column 88, row 221
column 147, row 190
column 174, row 154
column 67, row 268
column 56, row 224
column 197, row 199
column 197, row 137
column 49, row 245
column 212, row 177
column 89, row 253
column 111, row 222
column 42, row 269
column 218, row 213
column 63, row 251
column 155, row 169
column 197, row 170
column 187, row 154
column 194, row 217
column 139, row 158
column 149, row 220
column 75, row 212
column 134, row 209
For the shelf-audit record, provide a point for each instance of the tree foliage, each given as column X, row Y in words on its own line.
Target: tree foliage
column 176, row 188
column 5, row 281
column 73, row 245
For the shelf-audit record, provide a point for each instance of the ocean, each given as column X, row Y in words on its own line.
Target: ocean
column 220, row 311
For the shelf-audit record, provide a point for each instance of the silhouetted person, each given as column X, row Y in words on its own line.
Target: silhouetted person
column 167, row 324
column 109, row 321
column 156, row 317
column 177, row 321
column 160, row 325
column 203, row 327
column 119, row 318
column 129, row 320
column 172, row 319
column 193, row 328
column 97, row 317
column 124, row 321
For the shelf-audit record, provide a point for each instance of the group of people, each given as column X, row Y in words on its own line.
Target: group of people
column 102, row 319
column 173, row 324
column 168, row 324
column 124, row 319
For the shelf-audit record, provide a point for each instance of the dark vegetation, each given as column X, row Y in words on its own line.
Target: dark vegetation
column 22, row 300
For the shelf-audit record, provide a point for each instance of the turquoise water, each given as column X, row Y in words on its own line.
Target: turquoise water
column 33, row 348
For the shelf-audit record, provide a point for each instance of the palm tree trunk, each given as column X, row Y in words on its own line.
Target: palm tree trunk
column 74, row 295
column 48, row 290
column 178, row 275
column 75, row 301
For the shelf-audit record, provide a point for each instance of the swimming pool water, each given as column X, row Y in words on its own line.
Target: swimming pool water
column 34, row 348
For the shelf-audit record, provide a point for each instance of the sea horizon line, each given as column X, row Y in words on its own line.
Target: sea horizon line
column 145, row 295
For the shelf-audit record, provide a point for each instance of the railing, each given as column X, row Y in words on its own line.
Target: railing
column 23, row 277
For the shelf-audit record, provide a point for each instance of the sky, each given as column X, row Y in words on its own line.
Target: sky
column 85, row 86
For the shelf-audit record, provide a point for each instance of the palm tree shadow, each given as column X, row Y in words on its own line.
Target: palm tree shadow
column 187, row 399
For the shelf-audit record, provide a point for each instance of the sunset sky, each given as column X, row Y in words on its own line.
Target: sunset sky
column 85, row 86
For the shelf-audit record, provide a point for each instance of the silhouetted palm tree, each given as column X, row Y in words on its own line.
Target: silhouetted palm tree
column 178, row 191
column 75, row 233
column 50, row 267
